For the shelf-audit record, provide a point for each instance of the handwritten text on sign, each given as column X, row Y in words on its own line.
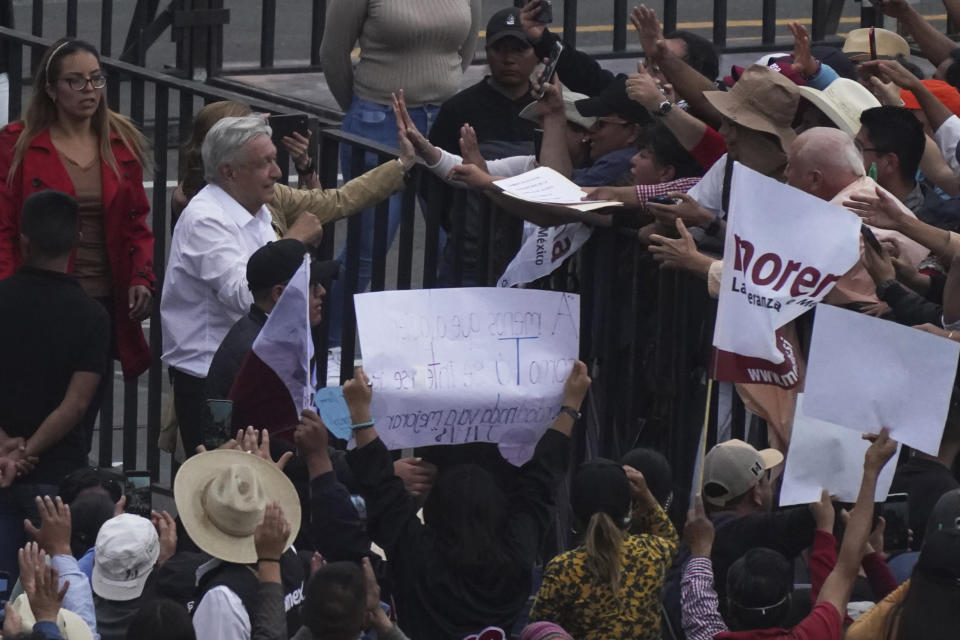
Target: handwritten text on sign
column 451, row 366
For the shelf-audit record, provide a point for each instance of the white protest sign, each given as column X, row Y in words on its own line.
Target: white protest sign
column 450, row 366
column 543, row 251
column 784, row 251
column 827, row 456
column 865, row 373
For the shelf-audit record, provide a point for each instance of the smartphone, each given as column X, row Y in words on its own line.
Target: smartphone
column 139, row 498
column 546, row 12
column 286, row 125
column 662, row 200
column 870, row 239
column 550, row 68
column 896, row 511
column 217, row 423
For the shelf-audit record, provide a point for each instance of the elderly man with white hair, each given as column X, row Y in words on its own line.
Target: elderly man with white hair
column 205, row 288
column 825, row 163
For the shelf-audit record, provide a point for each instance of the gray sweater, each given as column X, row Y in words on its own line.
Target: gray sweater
column 420, row 46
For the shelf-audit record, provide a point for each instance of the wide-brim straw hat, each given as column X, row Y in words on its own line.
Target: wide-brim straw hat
column 221, row 497
column 842, row 101
column 72, row 626
column 762, row 100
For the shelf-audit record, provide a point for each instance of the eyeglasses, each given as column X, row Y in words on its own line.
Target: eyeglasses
column 79, row 83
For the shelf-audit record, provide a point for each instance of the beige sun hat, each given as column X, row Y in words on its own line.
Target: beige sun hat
column 529, row 112
column 842, row 101
column 221, row 497
column 762, row 100
column 72, row 626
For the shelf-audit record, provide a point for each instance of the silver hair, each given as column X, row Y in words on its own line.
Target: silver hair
column 829, row 150
column 226, row 138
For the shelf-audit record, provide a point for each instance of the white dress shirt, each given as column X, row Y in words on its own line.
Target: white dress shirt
column 205, row 287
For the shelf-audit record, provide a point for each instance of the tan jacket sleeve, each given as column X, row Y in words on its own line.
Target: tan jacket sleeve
column 328, row 205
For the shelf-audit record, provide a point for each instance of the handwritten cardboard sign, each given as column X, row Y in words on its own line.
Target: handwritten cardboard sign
column 452, row 366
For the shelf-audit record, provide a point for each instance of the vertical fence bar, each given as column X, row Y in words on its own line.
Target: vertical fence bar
column 669, row 16
column 348, row 335
column 407, row 221
column 432, row 218
column 570, row 22
column 36, row 28
column 818, row 16
column 458, row 232
column 619, row 25
column 159, row 225
column 381, row 222
column 318, row 23
column 769, row 20
column 106, row 27
column 105, row 452
column 268, row 29
column 72, row 18
column 15, row 76
column 130, row 420
column 720, row 23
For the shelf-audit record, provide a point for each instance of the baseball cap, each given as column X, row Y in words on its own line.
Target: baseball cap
column 945, row 515
column 944, row 92
column 781, row 65
column 601, row 485
column 940, row 557
column 505, row 24
column 613, row 101
column 275, row 263
column 126, row 551
column 732, row 468
column 886, row 43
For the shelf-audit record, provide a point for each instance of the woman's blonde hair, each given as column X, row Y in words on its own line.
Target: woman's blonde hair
column 603, row 544
column 42, row 113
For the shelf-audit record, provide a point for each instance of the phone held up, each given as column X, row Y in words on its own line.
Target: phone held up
column 546, row 12
column 550, row 67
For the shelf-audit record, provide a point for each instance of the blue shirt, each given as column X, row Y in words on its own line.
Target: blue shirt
column 606, row 170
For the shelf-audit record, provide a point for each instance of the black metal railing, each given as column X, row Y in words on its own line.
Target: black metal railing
column 149, row 98
column 644, row 332
column 200, row 28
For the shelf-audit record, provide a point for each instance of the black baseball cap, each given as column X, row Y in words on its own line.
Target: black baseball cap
column 276, row 262
column 613, row 101
column 601, row 485
column 506, row 24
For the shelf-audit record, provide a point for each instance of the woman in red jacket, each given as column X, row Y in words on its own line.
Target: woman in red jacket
column 69, row 140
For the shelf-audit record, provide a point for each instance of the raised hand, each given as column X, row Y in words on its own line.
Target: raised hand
column 803, row 61
column 698, row 531
column 53, row 536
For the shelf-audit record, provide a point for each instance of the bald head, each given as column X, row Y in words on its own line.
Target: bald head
column 823, row 161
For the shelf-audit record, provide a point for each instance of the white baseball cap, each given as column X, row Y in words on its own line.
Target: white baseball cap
column 126, row 552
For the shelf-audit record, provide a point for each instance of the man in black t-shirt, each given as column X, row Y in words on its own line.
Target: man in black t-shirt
column 54, row 339
column 492, row 107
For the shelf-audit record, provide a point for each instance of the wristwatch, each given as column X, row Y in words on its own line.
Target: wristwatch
column 663, row 108
column 570, row 411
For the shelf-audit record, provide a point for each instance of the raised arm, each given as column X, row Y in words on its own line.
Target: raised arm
column 642, row 88
column 341, row 31
column 553, row 151
column 836, row 589
column 934, row 46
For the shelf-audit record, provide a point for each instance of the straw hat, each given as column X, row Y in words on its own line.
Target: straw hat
column 72, row 626
column 887, row 44
column 842, row 101
column 221, row 497
column 762, row 100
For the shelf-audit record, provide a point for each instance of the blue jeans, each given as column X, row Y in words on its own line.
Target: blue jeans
column 16, row 504
column 375, row 122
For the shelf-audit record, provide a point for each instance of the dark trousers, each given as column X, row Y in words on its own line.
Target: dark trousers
column 16, row 504
column 189, row 400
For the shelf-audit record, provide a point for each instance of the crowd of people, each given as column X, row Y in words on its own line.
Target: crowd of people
column 297, row 537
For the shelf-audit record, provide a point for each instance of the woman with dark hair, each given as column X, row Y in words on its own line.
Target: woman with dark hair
column 609, row 587
column 69, row 140
column 467, row 565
